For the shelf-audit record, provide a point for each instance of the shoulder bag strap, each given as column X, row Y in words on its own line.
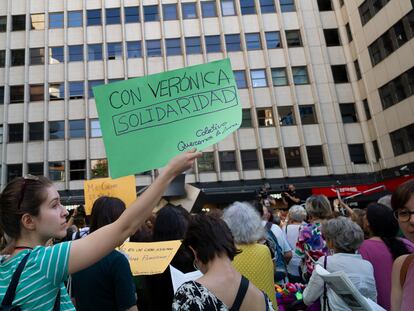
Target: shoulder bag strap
column 56, row 306
column 11, row 290
column 326, row 305
column 244, row 285
column 404, row 269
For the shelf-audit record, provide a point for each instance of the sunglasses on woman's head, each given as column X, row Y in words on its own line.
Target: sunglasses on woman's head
column 26, row 178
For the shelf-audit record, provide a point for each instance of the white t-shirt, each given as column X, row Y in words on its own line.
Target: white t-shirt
column 280, row 236
column 292, row 233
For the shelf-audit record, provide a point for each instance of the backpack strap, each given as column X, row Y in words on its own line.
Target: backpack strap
column 244, row 285
column 268, row 225
column 11, row 290
column 404, row 269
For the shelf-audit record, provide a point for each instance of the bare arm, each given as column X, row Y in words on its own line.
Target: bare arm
column 85, row 252
column 396, row 290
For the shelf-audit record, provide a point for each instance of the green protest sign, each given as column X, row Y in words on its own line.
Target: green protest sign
column 145, row 121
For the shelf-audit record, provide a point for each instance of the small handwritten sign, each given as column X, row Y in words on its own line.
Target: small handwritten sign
column 146, row 121
column 150, row 258
column 121, row 188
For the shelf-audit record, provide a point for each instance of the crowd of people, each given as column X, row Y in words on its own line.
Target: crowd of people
column 53, row 259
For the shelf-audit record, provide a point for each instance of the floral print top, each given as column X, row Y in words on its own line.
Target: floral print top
column 310, row 245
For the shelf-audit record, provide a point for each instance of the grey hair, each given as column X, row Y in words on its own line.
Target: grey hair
column 345, row 235
column 318, row 206
column 244, row 222
column 385, row 200
column 297, row 213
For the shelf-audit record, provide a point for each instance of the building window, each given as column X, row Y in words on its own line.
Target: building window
column 325, row 5
column 300, row 75
column 307, row 114
column 37, row 56
column 173, row 46
column 208, row 9
column 267, row 6
column 357, row 153
column 37, row 22
column 193, row 45
column 36, row 131
column 3, row 23
column 13, row 171
column 18, row 22
column 77, row 128
column 357, row 70
column 402, row 140
column 279, row 77
column 213, row 44
column 369, row 8
column 16, row 94
column 77, row 170
column 2, row 58
column 293, row 38
column 249, row 159
column 247, row 7
column 287, row 6
column 1, row 134
column 113, row 16
column 258, row 77
column 1, row 95
column 35, row 169
column 57, row 171
column 348, row 32
column 286, row 115
column 95, row 51
column 315, row 155
column 99, row 168
column 151, row 13
column 153, row 48
column 206, row 162
column 240, row 76
column 91, row 84
column 75, row 53
column 114, row 50
column 227, row 8
column 94, row 17
column 366, row 108
column 131, row 14
column 170, row 11
column 56, row 20
column 332, row 37
column 399, row 33
column 246, row 118
column 233, row 43
column 348, row 113
column 273, row 39
column 56, row 130
column 189, row 10
column 75, row 19
column 15, row 132
column 56, row 91
column 56, row 55
column 293, row 158
column 265, row 117
column 134, row 49
column 340, row 73
column 76, row 90
column 376, row 150
column 17, row 57
column 95, row 128
column 375, row 53
column 227, row 161
column 271, row 158
column 253, row 41
column 398, row 89
column 36, row 92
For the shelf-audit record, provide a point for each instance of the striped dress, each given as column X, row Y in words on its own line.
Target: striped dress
column 45, row 271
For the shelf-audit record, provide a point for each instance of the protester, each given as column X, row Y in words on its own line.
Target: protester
column 402, row 298
column 31, row 214
column 290, row 196
column 402, row 202
column 221, row 287
column 344, row 237
column 311, row 245
column 108, row 284
column 383, row 248
column 255, row 261
column 296, row 218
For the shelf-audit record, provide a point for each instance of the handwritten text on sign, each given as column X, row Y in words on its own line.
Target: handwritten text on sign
column 146, row 121
column 150, row 258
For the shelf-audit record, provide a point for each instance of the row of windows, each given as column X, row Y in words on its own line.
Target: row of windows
column 398, row 89
column 151, row 13
column 369, row 8
column 392, row 39
column 402, row 140
column 114, row 50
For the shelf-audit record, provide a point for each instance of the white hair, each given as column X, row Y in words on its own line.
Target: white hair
column 297, row 213
column 244, row 222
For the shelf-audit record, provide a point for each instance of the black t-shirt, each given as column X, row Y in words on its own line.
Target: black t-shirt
column 106, row 285
column 289, row 201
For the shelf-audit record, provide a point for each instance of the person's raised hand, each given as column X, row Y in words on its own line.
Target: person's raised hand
column 182, row 162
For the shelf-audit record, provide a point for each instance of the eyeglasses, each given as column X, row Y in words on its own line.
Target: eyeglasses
column 25, row 180
column 403, row 216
